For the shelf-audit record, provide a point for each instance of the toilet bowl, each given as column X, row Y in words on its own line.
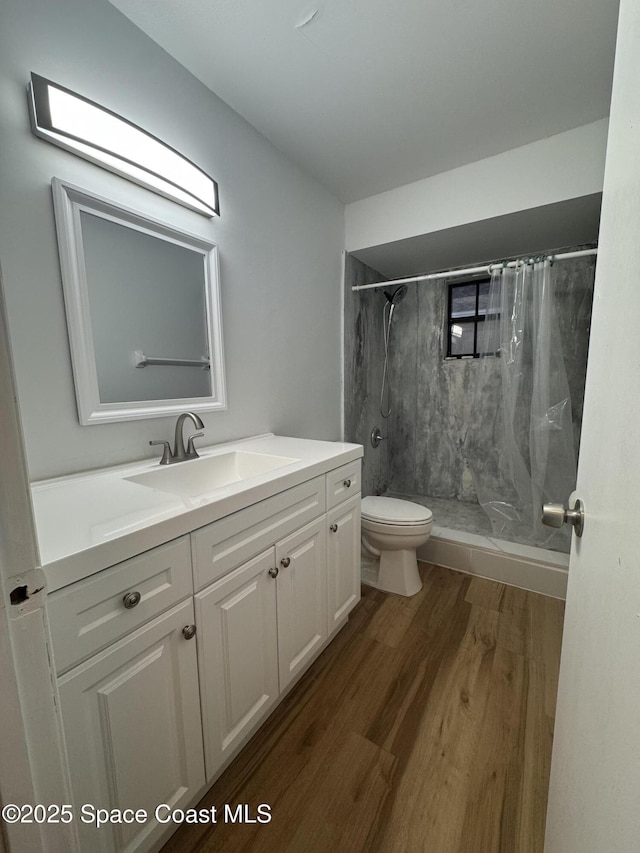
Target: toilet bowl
column 392, row 529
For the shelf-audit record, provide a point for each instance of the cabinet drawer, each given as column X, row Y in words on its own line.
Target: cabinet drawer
column 91, row 614
column 343, row 483
column 220, row 547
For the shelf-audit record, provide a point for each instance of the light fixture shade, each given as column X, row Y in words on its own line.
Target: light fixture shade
column 73, row 122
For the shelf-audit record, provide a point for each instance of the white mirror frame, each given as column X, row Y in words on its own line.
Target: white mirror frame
column 69, row 202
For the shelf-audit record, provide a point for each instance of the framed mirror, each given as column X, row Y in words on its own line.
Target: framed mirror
column 142, row 300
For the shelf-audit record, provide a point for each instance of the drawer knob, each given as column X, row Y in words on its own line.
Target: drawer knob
column 347, row 484
column 333, row 528
column 285, row 562
column 274, row 572
column 189, row 632
column 131, row 599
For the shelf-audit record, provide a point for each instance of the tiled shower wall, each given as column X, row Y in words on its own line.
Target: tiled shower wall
column 431, row 396
column 364, row 357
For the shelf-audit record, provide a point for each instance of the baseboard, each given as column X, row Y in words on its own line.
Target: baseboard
column 535, row 569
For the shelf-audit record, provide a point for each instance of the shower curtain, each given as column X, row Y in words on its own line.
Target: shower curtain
column 519, row 444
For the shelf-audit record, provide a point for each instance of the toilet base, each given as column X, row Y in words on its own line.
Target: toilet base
column 397, row 572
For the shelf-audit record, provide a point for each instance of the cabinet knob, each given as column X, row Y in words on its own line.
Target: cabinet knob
column 285, row 562
column 273, row 572
column 189, row 632
column 333, row 528
column 131, row 599
column 347, row 484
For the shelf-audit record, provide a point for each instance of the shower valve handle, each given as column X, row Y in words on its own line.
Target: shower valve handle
column 377, row 437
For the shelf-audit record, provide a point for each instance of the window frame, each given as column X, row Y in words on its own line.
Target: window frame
column 471, row 318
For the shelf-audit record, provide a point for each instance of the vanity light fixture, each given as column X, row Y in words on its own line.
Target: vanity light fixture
column 85, row 128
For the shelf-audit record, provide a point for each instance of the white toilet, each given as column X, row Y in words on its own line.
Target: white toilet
column 392, row 529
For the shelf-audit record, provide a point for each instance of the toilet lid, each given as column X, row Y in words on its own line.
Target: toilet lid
column 394, row 511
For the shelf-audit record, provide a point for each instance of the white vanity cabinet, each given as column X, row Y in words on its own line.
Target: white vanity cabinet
column 238, row 656
column 343, row 487
column 343, row 554
column 169, row 661
column 269, row 614
column 259, row 627
column 131, row 717
column 125, row 652
column 302, row 599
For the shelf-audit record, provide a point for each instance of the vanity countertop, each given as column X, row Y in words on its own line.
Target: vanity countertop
column 90, row 521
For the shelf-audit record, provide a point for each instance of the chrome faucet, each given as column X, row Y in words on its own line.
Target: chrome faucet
column 180, row 454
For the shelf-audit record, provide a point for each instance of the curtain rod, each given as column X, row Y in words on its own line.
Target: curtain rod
column 487, row 269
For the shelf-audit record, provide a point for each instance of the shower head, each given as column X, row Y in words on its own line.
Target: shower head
column 398, row 294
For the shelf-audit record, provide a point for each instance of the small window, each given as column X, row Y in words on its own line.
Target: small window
column 469, row 324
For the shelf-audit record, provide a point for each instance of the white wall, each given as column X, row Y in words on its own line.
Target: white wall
column 566, row 166
column 280, row 236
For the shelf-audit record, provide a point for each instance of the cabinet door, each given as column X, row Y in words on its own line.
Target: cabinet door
column 302, row 598
column 343, row 560
column 238, row 656
column 131, row 718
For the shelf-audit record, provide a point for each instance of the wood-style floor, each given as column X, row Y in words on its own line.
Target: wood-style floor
column 425, row 726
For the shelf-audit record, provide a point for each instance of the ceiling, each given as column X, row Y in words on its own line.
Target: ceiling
column 368, row 95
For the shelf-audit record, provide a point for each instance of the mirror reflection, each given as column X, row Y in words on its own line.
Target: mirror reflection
column 146, row 295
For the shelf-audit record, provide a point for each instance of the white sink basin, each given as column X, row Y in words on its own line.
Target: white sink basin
column 201, row 476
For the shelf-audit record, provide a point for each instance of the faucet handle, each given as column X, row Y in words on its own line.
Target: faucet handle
column 192, row 453
column 166, row 454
